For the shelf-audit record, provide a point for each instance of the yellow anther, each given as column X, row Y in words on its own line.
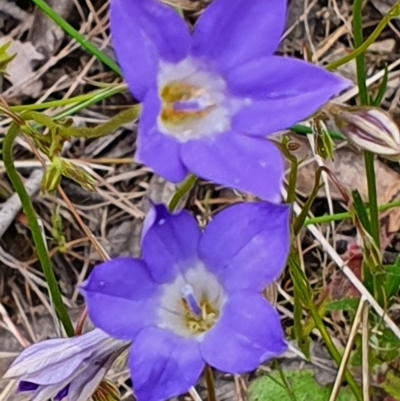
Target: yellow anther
column 175, row 95
column 199, row 325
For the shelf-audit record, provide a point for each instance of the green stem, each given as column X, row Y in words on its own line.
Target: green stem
column 285, row 381
column 64, row 25
column 208, row 374
column 66, row 102
column 304, row 291
column 87, row 103
column 362, row 47
column 358, row 40
column 335, row 354
column 364, row 100
column 299, row 221
column 372, row 196
column 35, row 230
column 187, row 185
column 302, row 129
column 292, row 181
column 346, row 215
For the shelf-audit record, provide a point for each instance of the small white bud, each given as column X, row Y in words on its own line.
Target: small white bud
column 369, row 128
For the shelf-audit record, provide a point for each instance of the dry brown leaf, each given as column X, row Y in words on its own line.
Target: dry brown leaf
column 124, row 239
column 383, row 6
column 348, row 167
column 21, row 66
column 44, row 34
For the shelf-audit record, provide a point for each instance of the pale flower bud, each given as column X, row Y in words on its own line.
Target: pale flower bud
column 369, row 128
column 71, row 368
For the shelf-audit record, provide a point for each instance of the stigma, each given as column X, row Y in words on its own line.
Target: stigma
column 190, row 300
column 198, row 317
column 191, row 304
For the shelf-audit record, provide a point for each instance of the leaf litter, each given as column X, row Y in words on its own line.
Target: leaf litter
column 59, row 72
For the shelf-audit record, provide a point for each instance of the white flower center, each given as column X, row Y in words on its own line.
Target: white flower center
column 193, row 101
column 192, row 304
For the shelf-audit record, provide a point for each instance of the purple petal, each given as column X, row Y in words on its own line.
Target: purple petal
column 169, row 245
column 247, row 334
column 92, row 370
column 155, row 149
column 248, row 164
column 56, row 373
column 280, row 92
column 62, row 394
column 232, row 32
column 121, row 297
column 86, row 383
column 38, row 357
column 54, row 361
column 44, row 393
column 142, row 33
column 25, row 387
column 252, row 252
column 163, row 365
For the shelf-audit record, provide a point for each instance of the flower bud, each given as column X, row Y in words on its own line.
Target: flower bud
column 76, row 174
column 369, row 128
column 324, row 145
column 61, row 167
column 51, row 179
column 72, row 368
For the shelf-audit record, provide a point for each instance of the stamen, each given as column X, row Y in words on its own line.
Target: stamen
column 183, row 104
column 194, row 104
column 190, row 299
column 190, row 106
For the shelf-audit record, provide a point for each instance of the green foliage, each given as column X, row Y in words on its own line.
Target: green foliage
column 302, row 296
column 324, row 145
column 361, row 46
column 372, row 270
column 5, row 58
column 303, row 388
column 392, row 385
column 73, row 33
column 391, row 284
column 382, row 90
column 57, row 230
column 385, row 349
column 347, row 304
column 64, row 129
column 61, row 167
column 299, row 222
column 37, row 236
column 360, row 210
column 60, row 132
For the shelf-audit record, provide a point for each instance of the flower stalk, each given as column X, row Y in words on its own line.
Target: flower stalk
column 301, row 282
column 187, row 185
column 209, row 377
column 345, row 215
column 359, row 50
column 364, row 100
column 35, row 230
column 73, row 33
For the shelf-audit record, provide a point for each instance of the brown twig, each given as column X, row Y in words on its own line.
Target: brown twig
column 348, row 349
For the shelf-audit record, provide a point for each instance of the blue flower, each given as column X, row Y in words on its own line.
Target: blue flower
column 210, row 98
column 195, row 297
